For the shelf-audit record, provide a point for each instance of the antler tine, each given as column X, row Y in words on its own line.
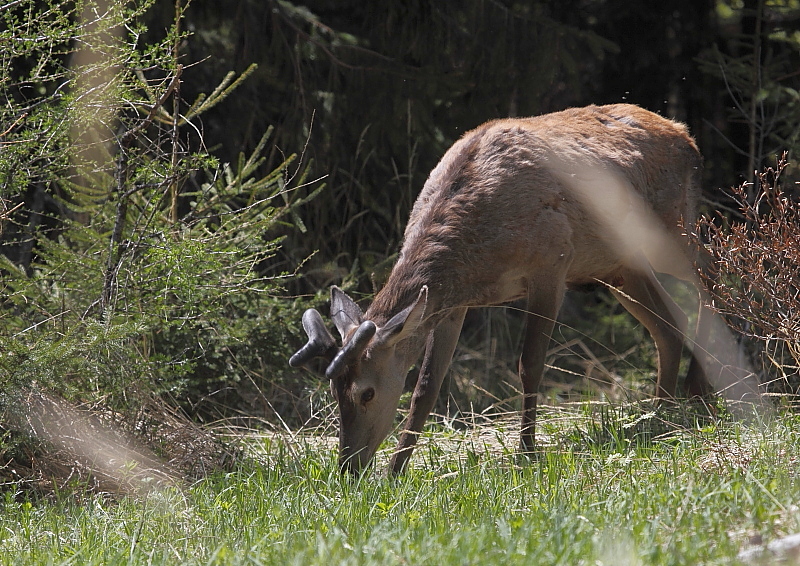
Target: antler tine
column 365, row 331
column 320, row 342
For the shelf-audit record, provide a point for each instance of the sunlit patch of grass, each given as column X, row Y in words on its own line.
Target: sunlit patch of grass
column 612, row 485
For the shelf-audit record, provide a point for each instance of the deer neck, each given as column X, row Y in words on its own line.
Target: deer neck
column 402, row 289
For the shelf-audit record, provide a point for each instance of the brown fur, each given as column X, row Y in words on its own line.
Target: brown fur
column 485, row 212
column 522, row 208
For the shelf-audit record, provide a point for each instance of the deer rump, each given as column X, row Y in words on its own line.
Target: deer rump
column 518, row 208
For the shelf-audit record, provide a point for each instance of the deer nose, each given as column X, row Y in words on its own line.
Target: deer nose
column 353, row 462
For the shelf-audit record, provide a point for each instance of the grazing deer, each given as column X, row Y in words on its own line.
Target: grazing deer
column 518, row 208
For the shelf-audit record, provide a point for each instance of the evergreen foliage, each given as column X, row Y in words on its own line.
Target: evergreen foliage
column 145, row 272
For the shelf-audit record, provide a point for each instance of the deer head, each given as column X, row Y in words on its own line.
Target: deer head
column 367, row 373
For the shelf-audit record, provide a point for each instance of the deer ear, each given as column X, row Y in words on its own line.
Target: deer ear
column 405, row 323
column 345, row 313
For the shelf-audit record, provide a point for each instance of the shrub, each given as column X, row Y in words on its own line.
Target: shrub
column 753, row 272
column 136, row 265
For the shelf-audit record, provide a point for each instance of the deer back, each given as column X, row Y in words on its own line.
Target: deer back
column 514, row 195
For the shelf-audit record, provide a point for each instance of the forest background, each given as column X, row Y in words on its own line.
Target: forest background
column 180, row 181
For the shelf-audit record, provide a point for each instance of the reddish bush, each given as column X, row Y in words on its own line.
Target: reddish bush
column 752, row 271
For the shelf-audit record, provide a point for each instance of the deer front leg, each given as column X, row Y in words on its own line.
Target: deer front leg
column 543, row 306
column 439, row 349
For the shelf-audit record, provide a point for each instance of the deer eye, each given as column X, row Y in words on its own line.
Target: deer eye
column 367, row 396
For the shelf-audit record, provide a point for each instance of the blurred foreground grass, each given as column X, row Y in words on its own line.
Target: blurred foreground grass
column 613, row 484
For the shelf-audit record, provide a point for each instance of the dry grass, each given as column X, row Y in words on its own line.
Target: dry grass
column 61, row 447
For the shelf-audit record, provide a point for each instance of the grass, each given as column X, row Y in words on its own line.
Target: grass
column 612, row 485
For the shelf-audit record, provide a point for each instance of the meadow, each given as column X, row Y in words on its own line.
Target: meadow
column 612, row 485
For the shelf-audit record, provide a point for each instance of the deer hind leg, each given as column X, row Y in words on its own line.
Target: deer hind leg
column 647, row 300
column 439, row 349
column 697, row 381
column 543, row 306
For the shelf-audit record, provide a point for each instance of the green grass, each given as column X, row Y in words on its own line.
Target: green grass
column 613, row 486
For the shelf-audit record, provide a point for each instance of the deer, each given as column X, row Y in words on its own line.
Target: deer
column 518, row 208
